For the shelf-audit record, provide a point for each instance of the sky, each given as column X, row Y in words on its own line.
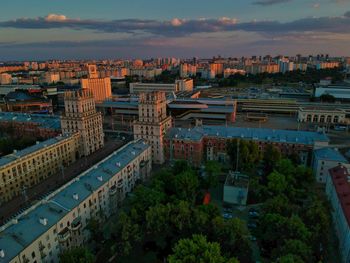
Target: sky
column 111, row 29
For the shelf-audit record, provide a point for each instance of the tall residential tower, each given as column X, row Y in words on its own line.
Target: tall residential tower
column 80, row 116
column 153, row 123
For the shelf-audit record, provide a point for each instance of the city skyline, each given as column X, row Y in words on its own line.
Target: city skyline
column 87, row 30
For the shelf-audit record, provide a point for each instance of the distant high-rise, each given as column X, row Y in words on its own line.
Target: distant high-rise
column 100, row 87
column 80, row 116
column 153, row 123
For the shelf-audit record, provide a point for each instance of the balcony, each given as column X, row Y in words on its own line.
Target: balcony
column 76, row 224
column 120, row 184
column 113, row 190
column 143, row 163
column 64, row 235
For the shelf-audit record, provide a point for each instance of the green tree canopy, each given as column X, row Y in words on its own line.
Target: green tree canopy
column 197, row 250
column 77, row 255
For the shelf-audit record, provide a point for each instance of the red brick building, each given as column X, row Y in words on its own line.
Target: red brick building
column 210, row 142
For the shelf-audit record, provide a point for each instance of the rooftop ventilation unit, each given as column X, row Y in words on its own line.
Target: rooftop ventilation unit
column 75, row 196
column 43, row 221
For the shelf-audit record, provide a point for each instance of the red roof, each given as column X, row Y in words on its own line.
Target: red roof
column 340, row 176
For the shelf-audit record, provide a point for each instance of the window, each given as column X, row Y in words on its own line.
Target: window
column 33, row 254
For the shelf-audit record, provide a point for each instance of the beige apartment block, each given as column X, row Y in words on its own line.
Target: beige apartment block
column 101, row 88
column 26, row 168
column 59, row 221
column 80, row 116
column 153, row 123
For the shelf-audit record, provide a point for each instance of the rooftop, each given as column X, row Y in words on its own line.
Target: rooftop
column 330, row 154
column 16, row 235
column 31, row 149
column 45, row 121
column 258, row 134
column 340, row 177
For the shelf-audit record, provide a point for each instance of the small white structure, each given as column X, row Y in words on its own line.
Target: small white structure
column 236, row 188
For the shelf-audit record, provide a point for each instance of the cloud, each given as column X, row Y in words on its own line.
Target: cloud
column 184, row 27
column 55, row 18
column 270, row 2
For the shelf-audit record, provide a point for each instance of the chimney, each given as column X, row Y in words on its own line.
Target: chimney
column 100, row 178
column 2, row 253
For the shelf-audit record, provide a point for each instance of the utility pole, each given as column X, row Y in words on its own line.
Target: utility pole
column 237, row 159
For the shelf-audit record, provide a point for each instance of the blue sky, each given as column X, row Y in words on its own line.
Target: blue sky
column 37, row 29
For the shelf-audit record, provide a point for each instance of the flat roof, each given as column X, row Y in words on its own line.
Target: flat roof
column 31, row 149
column 329, row 154
column 14, row 237
column 259, row 134
column 43, row 120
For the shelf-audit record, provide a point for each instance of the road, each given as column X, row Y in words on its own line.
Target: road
column 20, row 203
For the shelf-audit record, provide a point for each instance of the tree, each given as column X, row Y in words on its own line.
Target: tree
column 77, row 255
column 290, row 258
column 127, row 233
column 144, row 197
column 280, row 204
column 94, row 227
column 186, row 185
column 212, row 172
column 232, row 235
column 271, row 156
column 295, row 247
column 197, row 250
column 277, row 183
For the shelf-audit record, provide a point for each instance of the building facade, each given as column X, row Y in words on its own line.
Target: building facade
column 26, row 168
column 325, row 159
column 338, row 193
column 34, row 125
column 322, row 116
column 179, row 85
column 204, row 143
column 101, row 88
column 153, row 123
column 80, row 116
column 59, row 221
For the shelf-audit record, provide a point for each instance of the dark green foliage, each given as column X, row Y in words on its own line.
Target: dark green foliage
column 165, row 211
column 197, row 250
column 77, row 255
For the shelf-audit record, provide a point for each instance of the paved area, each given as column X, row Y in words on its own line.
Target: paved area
column 20, row 203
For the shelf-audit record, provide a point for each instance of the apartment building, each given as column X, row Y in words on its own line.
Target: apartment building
column 325, row 159
column 179, row 85
column 101, row 88
column 338, row 193
column 59, row 221
column 204, row 143
column 80, row 116
column 28, row 167
column 153, row 123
